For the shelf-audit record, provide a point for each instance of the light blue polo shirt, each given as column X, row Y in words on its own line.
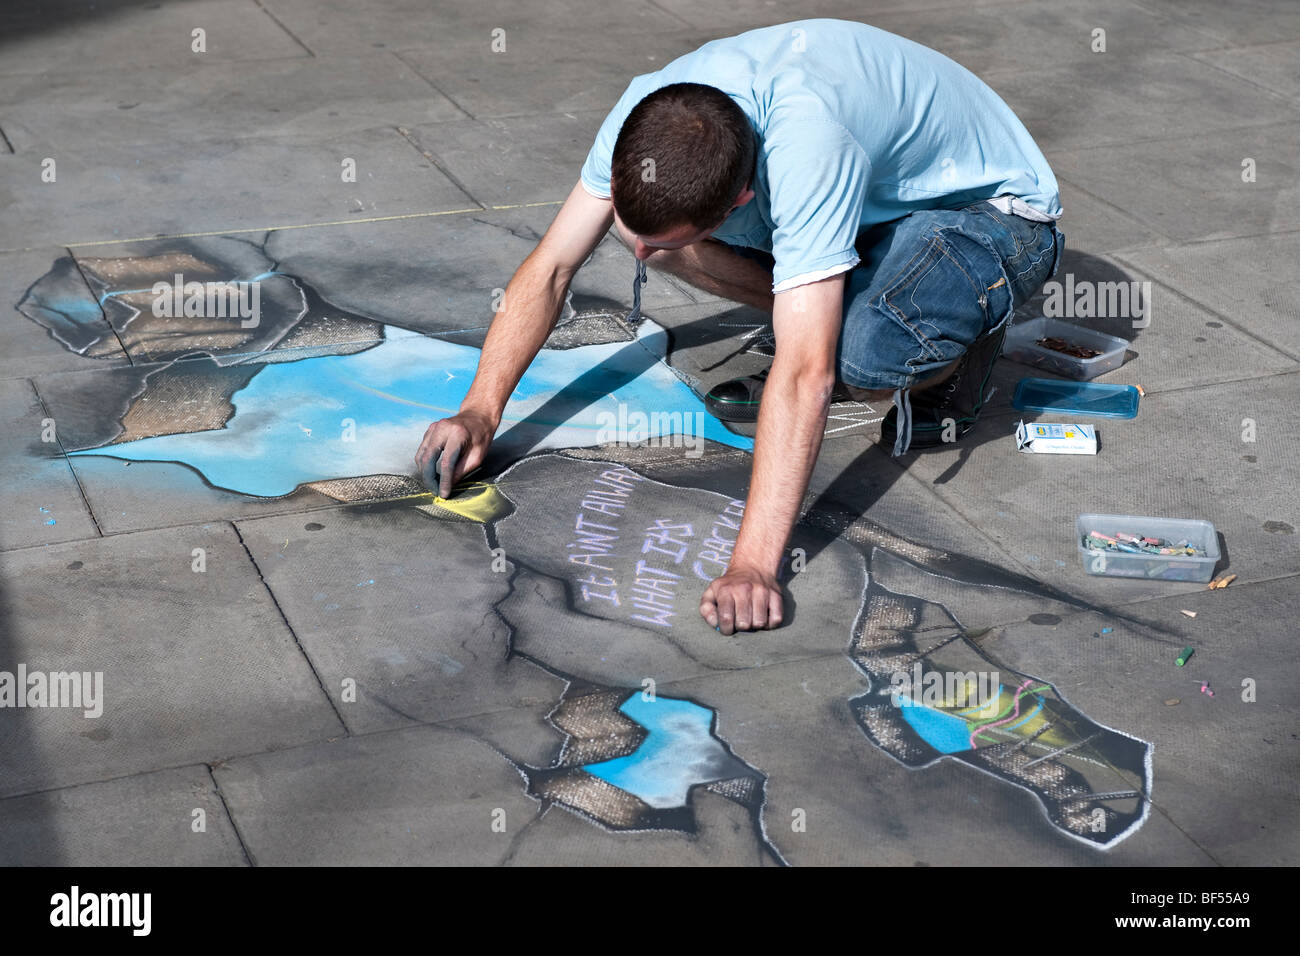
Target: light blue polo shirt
column 856, row 127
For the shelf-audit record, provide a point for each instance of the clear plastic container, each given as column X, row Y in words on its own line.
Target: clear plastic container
column 1020, row 345
column 1094, row 399
column 1160, row 567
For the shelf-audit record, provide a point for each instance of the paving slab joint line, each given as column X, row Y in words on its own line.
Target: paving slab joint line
column 85, row 502
column 190, row 523
column 928, row 488
column 347, row 732
column 243, row 847
column 279, row 23
column 1272, row 346
column 99, row 303
column 434, row 86
column 1268, row 91
column 1114, row 210
column 410, row 137
column 519, row 836
column 1123, row 142
column 5, row 139
column 1279, row 233
column 245, row 755
column 1189, row 23
column 674, row 15
column 239, row 231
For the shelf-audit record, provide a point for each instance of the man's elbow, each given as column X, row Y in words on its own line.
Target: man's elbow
column 815, row 385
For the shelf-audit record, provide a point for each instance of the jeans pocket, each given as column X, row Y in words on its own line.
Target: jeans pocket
column 939, row 302
column 1037, row 265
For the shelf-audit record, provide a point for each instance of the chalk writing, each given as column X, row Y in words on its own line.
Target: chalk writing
column 715, row 550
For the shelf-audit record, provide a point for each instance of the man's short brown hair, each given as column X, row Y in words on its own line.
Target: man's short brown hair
column 682, row 157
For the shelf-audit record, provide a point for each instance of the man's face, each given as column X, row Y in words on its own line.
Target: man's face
column 643, row 247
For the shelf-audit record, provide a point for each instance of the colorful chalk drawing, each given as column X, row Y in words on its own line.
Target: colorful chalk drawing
column 330, row 417
column 1092, row 782
column 607, row 563
column 639, row 568
column 630, row 761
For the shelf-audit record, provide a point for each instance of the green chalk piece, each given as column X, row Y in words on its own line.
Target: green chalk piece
column 1182, row 658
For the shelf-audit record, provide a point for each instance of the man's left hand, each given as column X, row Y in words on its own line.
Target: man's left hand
column 743, row 599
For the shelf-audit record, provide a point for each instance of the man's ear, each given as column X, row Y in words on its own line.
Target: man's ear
column 745, row 196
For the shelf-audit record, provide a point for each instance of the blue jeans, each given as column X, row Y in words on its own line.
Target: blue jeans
column 930, row 284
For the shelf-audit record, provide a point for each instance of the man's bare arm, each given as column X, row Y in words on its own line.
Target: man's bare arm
column 529, row 310
column 792, row 418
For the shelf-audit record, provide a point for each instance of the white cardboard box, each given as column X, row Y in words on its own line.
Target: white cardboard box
column 1056, row 438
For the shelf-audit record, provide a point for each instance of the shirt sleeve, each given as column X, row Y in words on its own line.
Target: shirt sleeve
column 818, row 175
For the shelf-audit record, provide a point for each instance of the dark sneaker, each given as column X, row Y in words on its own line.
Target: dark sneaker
column 949, row 410
column 738, row 399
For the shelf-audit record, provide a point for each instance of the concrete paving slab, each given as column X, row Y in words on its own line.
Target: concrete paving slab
column 193, row 666
column 303, row 96
column 986, row 38
column 1028, row 503
column 64, row 32
column 1090, row 105
column 43, row 504
column 336, row 27
column 1260, row 301
column 516, row 160
column 366, row 592
column 857, row 477
column 724, row 836
column 145, row 820
column 541, row 73
column 1096, row 226
column 523, row 734
column 27, row 348
column 1271, row 65
column 421, row 796
column 834, row 799
column 443, row 275
column 1253, row 21
column 1225, row 765
column 1201, row 196
column 750, row 14
column 109, row 192
column 130, row 496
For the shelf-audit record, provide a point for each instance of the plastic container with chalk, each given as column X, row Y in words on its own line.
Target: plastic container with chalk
column 1121, row 564
column 1021, row 345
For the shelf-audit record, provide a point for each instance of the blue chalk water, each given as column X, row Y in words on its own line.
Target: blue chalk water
column 344, row 416
column 679, row 752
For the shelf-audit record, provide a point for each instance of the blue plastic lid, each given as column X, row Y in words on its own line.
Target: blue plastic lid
column 1076, row 398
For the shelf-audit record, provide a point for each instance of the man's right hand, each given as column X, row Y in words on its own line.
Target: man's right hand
column 455, row 446
column 452, row 448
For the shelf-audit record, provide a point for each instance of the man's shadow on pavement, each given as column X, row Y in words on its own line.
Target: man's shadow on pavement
column 851, row 494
